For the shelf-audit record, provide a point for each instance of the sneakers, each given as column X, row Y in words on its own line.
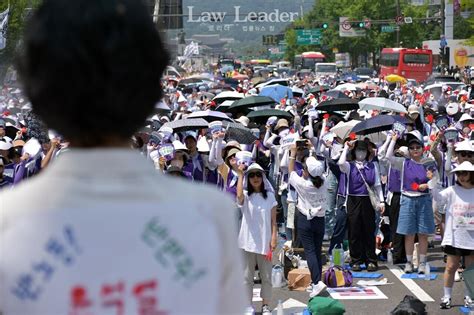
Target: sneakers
column 317, row 289
column 468, row 302
column 371, row 267
column 421, row 268
column 445, row 303
column 266, row 310
column 356, row 267
column 408, row 267
column 310, row 288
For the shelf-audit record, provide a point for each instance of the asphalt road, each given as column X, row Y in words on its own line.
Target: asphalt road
column 395, row 292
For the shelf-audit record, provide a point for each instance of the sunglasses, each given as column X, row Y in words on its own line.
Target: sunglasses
column 415, row 148
column 255, row 174
column 462, row 173
column 466, row 154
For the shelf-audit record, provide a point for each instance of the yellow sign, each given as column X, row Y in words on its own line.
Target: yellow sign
column 460, row 57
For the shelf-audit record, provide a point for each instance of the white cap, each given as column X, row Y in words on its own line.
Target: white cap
column 254, row 167
column 5, row 145
column 413, row 109
column 464, row 166
column 404, row 151
column 178, row 145
column 315, row 167
column 464, row 146
column 243, row 120
column 203, row 145
column 465, row 117
column 452, row 108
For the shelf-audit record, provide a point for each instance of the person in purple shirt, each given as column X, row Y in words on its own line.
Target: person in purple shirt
column 360, row 212
column 4, row 181
column 416, row 206
column 19, row 163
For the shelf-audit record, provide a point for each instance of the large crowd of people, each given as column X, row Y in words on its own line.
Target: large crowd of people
column 296, row 167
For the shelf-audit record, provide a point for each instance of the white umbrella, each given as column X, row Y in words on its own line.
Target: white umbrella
column 381, row 103
column 346, row 87
column 228, row 95
column 343, row 129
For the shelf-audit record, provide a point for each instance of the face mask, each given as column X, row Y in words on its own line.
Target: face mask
column 360, row 155
column 284, row 133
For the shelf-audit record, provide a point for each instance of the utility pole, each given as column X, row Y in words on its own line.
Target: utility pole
column 443, row 17
column 156, row 11
column 398, row 27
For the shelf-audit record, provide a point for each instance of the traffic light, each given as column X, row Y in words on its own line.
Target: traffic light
column 325, row 25
column 441, row 52
column 446, row 55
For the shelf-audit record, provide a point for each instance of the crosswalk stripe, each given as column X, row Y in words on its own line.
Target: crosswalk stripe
column 412, row 286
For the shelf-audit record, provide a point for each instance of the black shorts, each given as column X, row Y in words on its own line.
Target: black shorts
column 457, row 251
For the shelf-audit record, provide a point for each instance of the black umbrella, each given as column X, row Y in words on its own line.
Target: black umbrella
column 340, row 104
column 10, row 131
column 250, row 101
column 335, row 94
column 238, row 132
column 187, row 124
column 318, row 89
column 377, row 124
column 262, row 115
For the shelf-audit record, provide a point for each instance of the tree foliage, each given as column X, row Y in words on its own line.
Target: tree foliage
column 381, row 12
column 19, row 11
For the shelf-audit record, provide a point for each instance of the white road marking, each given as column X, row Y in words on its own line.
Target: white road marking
column 412, row 286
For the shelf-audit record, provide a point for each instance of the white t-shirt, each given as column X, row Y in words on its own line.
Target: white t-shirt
column 459, row 229
column 256, row 229
column 309, row 197
column 100, row 233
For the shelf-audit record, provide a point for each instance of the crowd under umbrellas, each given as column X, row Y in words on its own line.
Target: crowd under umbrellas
column 207, row 127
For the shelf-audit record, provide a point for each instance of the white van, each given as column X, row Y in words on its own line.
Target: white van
column 325, row 68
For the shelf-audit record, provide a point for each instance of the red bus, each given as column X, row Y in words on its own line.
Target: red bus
column 308, row 60
column 414, row 64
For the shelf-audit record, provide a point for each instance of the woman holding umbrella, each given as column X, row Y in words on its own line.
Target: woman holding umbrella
column 361, row 174
column 416, row 209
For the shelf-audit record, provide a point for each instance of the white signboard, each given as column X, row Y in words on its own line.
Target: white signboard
column 346, row 30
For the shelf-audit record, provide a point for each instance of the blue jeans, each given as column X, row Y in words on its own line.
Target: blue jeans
column 311, row 233
column 331, row 213
column 339, row 234
column 416, row 215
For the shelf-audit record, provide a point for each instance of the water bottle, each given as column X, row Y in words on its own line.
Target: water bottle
column 427, row 272
column 338, row 253
column 280, row 308
column 389, row 257
column 277, row 276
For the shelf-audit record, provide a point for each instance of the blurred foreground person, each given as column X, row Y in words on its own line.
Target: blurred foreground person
column 99, row 232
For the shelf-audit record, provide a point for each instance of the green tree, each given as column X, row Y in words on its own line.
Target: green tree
column 382, row 12
column 19, row 12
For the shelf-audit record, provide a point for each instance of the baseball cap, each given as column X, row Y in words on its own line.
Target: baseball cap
column 315, row 167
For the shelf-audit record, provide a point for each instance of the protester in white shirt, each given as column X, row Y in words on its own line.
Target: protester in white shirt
column 258, row 230
column 458, row 239
column 312, row 203
column 99, row 232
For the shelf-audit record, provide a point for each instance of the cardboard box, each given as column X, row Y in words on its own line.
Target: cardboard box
column 299, row 279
